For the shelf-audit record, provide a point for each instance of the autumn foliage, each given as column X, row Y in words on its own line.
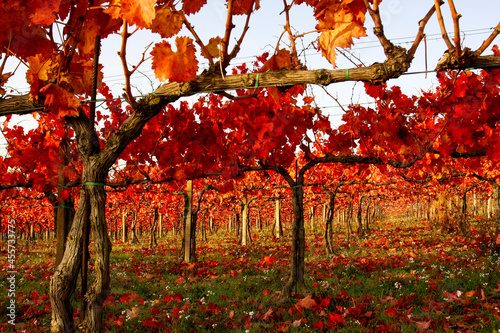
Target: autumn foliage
column 260, row 156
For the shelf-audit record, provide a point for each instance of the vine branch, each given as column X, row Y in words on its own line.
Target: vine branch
column 444, row 34
column 488, row 41
column 127, row 73
column 420, row 34
column 456, row 17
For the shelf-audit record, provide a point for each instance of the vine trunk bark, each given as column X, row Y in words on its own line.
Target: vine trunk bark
column 297, row 268
column 62, row 284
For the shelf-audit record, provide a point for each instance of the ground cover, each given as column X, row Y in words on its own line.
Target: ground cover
column 401, row 277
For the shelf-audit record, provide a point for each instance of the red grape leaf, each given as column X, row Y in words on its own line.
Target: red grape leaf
column 43, row 11
column 65, row 195
column 193, row 6
column 244, row 7
column 391, row 312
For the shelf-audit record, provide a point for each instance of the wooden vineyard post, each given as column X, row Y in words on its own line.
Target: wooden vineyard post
column 189, row 217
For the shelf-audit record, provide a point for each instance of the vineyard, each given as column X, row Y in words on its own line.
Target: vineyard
column 208, row 186
column 405, row 276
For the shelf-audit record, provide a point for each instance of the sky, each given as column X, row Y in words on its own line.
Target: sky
column 400, row 19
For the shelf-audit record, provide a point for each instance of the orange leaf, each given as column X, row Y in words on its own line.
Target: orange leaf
column 79, row 77
column 341, row 23
column 306, row 303
column 60, row 100
column 167, row 23
column 180, row 174
column 275, row 93
column 138, row 12
column 308, row 99
column 177, row 66
column 341, row 36
column 132, row 313
column 279, row 60
column 40, row 68
column 268, row 315
column 268, row 260
column 44, row 11
column 423, row 325
column 88, row 38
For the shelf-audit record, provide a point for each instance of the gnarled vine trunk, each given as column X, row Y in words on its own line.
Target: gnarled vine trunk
column 63, row 282
column 297, row 268
column 96, row 165
column 100, row 289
